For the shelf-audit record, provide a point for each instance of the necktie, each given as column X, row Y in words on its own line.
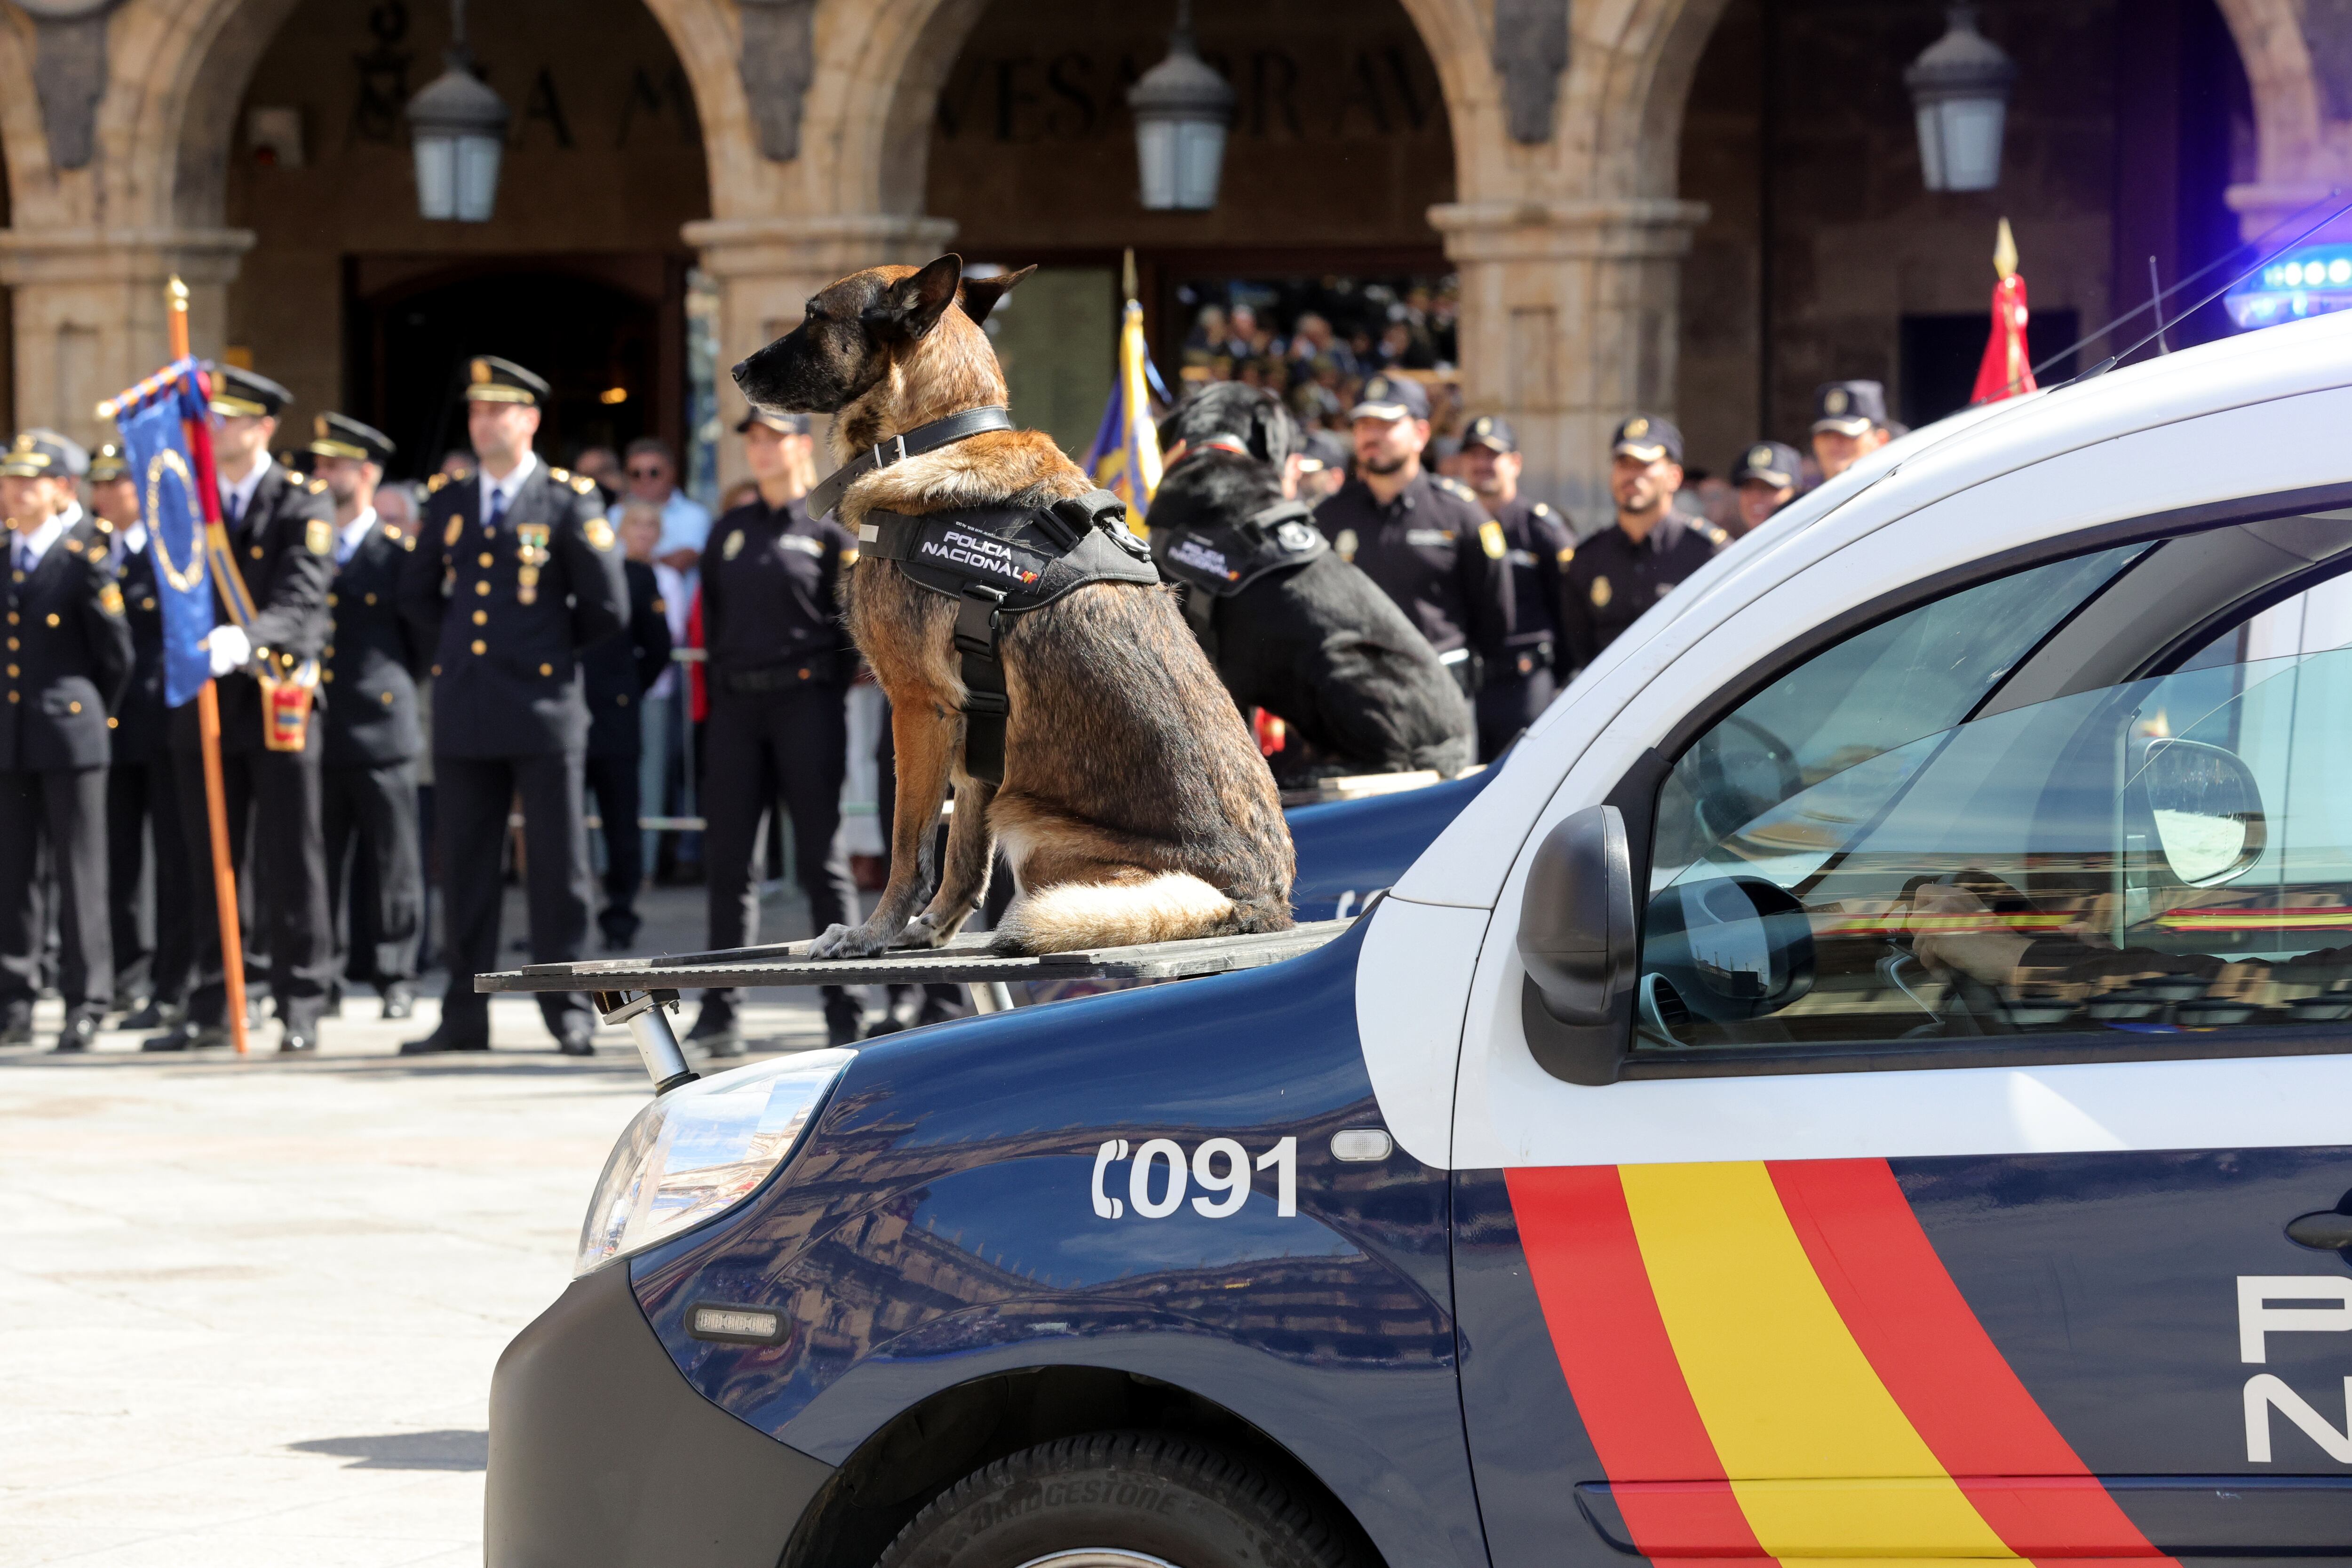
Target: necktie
column 233, row 507
column 498, row 507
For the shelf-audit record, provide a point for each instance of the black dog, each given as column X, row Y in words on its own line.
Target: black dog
column 1290, row 627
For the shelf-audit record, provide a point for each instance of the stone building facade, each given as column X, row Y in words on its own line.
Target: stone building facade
column 1577, row 163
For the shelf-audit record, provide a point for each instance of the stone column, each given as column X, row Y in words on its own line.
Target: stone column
column 766, row 269
column 90, row 312
column 1569, row 324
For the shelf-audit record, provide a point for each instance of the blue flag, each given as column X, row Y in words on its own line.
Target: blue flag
column 154, row 437
column 1125, row 458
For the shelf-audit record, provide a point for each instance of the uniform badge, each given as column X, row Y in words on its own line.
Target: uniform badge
column 1567, row 555
column 600, row 533
column 449, row 534
column 1833, row 401
column 733, row 547
column 320, row 535
column 109, row 599
column 1637, row 428
column 1759, row 457
column 1346, row 544
column 1490, row 535
column 480, row 370
column 1600, row 594
column 1294, row 536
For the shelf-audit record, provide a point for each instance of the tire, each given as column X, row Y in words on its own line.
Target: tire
column 1119, row 1500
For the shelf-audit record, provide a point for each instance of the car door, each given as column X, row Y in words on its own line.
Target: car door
column 1986, row 1035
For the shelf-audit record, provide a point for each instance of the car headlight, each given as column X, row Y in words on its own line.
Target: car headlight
column 700, row 1150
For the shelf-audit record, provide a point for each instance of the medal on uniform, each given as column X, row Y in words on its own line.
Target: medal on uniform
column 532, row 549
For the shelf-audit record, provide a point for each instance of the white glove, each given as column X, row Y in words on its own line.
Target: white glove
column 230, row 649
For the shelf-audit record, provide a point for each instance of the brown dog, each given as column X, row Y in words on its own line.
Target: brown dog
column 1134, row 807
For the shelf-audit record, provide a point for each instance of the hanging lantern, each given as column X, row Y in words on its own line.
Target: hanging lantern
column 1182, row 111
column 458, row 129
column 1959, row 88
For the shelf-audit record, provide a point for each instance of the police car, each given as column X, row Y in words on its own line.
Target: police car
column 1869, row 1076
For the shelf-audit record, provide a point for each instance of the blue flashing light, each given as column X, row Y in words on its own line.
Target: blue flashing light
column 2307, row 282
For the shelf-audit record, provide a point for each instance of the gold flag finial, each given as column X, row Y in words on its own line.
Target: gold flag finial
column 2004, row 253
column 178, row 292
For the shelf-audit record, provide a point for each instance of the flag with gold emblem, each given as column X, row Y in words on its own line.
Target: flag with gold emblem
column 167, row 442
column 1125, row 458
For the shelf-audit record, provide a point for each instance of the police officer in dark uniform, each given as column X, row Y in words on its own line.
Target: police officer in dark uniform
column 620, row 670
column 1623, row 571
column 515, row 573
column 281, row 536
column 1540, row 547
column 369, row 782
column 140, row 799
column 1425, row 539
column 1764, row 482
column 778, row 672
column 1849, row 424
column 68, row 657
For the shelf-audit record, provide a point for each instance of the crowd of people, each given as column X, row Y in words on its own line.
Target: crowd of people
column 410, row 664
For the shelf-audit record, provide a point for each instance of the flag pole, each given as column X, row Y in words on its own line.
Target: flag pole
column 231, row 939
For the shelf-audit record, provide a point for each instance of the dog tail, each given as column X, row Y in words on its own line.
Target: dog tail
column 1169, row 907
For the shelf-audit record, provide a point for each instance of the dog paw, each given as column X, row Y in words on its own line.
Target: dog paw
column 848, row 941
column 928, row 929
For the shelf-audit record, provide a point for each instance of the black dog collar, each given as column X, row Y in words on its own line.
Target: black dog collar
column 898, row 448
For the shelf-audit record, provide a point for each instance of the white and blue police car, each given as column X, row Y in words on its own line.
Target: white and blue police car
column 1869, row 1078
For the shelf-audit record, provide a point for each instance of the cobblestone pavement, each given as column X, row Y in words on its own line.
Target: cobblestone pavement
column 251, row 1306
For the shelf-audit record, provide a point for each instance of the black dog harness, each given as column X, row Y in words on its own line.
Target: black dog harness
column 922, row 438
column 1223, row 558
column 1003, row 561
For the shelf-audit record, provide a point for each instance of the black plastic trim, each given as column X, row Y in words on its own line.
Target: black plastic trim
column 2030, row 1050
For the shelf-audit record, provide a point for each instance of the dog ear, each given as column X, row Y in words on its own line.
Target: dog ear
column 913, row 305
column 981, row 294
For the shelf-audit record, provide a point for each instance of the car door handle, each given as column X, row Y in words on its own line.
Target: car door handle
column 2327, row 1231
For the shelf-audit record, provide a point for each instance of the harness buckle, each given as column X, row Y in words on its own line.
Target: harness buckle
column 975, row 627
column 986, row 704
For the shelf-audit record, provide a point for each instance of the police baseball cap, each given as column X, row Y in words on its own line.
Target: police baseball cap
column 341, row 436
column 1646, row 438
column 1849, row 407
column 1392, row 398
column 788, row 424
column 244, row 393
column 490, row 379
column 107, row 463
column 40, row 454
column 1773, row 463
column 1492, row 432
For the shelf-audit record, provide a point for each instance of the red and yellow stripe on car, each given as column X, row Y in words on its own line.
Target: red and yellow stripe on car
column 1772, row 1362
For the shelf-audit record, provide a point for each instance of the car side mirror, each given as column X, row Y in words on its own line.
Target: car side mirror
column 2208, row 809
column 1578, row 936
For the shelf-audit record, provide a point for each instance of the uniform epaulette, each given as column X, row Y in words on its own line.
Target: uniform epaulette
column 1456, row 488
column 1542, row 509
column 582, row 483
column 318, row 487
column 436, row 482
column 561, row 476
column 1712, row 534
column 103, row 525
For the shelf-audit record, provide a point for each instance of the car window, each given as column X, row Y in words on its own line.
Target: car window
column 2161, row 855
column 1913, row 676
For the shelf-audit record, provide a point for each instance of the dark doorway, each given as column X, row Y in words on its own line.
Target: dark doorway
column 1941, row 354
column 609, row 338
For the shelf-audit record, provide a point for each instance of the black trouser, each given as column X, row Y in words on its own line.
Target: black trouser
column 471, row 796
column 273, row 803
column 1510, row 702
column 70, row 804
column 794, row 743
column 371, row 812
column 614, row 779
column 139, row 793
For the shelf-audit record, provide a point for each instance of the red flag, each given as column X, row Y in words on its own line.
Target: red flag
column 2007, row 369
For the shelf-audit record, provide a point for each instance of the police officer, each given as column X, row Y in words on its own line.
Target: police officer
column 1764, row 482
column 68, row 657
column 1623, row 571
column 516, row 572
column 1426, row 540
column 140, row 797
column 620, row 670
column 780, row 668
column 1849, row 424
column 1540, row 547
column 369, row 782
column 282, row 536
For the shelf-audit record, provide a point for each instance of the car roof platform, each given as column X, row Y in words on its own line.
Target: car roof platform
column 639, row 992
